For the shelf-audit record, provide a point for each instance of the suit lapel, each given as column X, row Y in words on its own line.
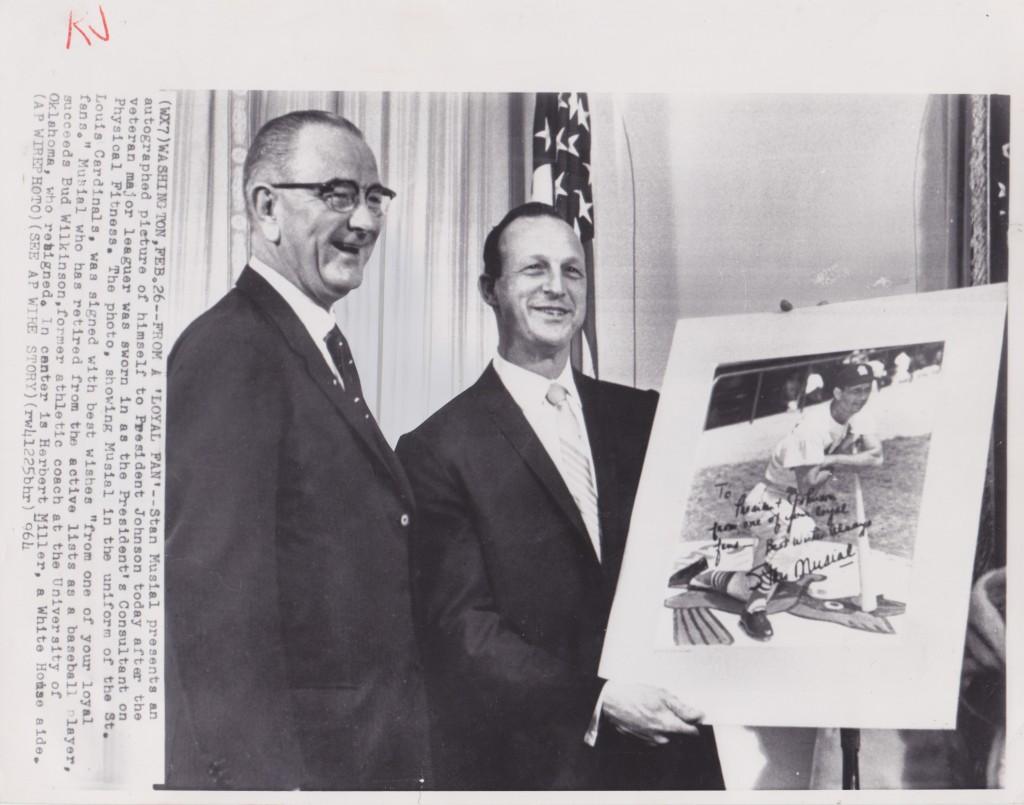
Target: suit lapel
column 299, row 341
column 510, row 419
column 602, row 449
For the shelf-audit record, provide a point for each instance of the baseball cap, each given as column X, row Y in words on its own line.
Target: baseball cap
column 852, row 374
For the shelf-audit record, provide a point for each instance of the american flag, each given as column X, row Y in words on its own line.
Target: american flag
column 561, row 178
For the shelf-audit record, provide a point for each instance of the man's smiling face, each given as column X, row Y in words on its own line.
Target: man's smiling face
column 321, row 251
column 540, row 297
column 849, row 401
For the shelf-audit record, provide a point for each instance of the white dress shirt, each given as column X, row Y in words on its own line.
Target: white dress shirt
column 529, row 390
column 315, row 319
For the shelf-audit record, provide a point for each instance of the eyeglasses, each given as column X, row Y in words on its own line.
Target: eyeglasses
column 342, row 195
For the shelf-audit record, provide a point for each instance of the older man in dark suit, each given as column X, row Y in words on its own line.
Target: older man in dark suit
column 525, row 485
column 291, row 652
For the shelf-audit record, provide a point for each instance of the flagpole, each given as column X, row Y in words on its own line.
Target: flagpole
column 849, row 744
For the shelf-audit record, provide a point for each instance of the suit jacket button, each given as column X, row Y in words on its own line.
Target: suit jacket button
column 404, row 520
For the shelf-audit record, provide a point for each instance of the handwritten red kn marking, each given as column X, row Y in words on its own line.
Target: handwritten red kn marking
column 74, row 26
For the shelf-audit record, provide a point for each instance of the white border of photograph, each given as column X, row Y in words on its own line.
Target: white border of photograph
column 912, row 683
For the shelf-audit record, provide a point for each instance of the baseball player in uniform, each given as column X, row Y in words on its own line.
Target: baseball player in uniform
column 837, row 434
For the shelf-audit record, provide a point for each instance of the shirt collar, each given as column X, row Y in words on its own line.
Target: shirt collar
column 529, row 388
column 315, row 319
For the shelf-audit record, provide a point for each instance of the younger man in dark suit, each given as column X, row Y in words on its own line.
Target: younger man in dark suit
column 525, row 485
column 291, row 654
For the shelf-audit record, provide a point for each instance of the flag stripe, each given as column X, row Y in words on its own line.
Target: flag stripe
column 561, row 178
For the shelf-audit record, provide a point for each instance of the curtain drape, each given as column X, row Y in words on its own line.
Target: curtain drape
column 203, row 206
column 962, row 191
column 417, row 326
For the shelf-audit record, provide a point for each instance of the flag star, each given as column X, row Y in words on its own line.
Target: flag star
column 576, row 227
column 558, row 140
column 583, row 116
column 574, row 105
column 584, row 207
column 571, row 147
column 561, row 100
column 587, row 166
column 557, row 186
column 545, row 135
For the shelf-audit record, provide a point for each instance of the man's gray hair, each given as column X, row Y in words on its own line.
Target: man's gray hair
column 274, row 143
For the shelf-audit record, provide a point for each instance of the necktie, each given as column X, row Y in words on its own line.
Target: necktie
column 342, row 357
column 576, row 468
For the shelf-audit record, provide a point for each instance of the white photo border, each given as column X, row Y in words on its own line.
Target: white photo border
column 905, row 684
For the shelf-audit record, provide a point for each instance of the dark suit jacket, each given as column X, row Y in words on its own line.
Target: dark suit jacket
column 512, row 602
column 291, row 651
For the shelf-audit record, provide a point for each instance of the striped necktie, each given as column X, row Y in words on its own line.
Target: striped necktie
column 577, row 471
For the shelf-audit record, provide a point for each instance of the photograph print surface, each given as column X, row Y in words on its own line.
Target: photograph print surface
column 801, row 519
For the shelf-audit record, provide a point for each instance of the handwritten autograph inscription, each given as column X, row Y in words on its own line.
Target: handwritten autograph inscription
column 752, row 519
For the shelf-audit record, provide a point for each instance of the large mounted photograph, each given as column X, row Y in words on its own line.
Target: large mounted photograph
column 808, row 512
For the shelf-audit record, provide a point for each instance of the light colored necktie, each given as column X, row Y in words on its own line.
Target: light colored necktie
column 577, row 471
